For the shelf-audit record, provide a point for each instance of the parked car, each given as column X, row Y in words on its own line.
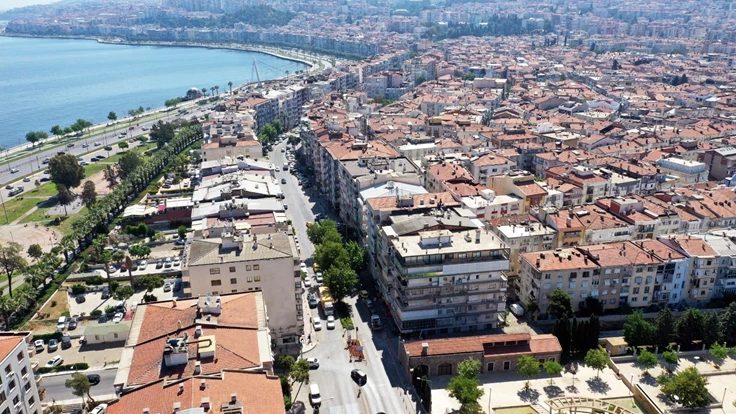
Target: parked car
column 283, row 181
column 314, row 396
column 142, row 265
column 159, row 264
column 94, row 379
column 317, row 324
column 330, row 322
column 53, row 345
column 167, row 287
column 55, row 361
column 73, row 323
column 177, row 285
column 307, row 282
column 27, row 180
column 177, row 262
column 80, row 298
column 313, row 302
column 167, row 262
column 359, row 376
column 111, row 269
column 105, row 293
column 318, row 276
column 14, row 170
column 100, row 409
column 66, row 342
column 103, row 319
column 40, row 345
column 118, row 317
column 9, row 187
column 313, row 363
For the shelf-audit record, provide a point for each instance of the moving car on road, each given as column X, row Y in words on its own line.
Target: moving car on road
column 313, row 363
column 94, row 379
column 330, row 322
column 359, row 376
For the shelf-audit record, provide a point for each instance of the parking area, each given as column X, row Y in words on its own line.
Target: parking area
column 93, row 300
column 94, row 355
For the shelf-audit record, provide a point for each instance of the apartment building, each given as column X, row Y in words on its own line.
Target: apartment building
column 247, row 262
column 704, row 266
column 521, row 184
column 230, row 138
column 489, row 165
column 649, row 219
column 686, row 171
column 722, row 162
column 613, row 273
column 442, row 274
column 595, row 184
column 527, row 236
column 19, row 392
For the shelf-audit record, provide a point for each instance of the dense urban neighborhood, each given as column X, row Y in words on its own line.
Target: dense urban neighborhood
column 504, row 207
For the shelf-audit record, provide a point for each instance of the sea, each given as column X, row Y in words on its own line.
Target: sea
column 47, row 82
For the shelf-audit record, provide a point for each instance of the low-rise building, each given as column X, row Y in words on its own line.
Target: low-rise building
column 19, row 392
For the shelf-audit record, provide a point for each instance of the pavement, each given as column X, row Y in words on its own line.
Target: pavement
column 94, row 300
column 57, row 392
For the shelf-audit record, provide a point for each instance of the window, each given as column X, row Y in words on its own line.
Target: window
column 559, row 285
column 646, row 289
column 234, row 291
column 573, row 275
column 444, row 369
column 547, row 276
column 490, row 367
column 16, row 400
column 596, row 282
column 462, row 255
column 232, row 269
column 572, row 285
column 584, row 284
column 636, row 290
column 249, row 279
column 476, row 254
column 31, row 401
column 214, row 271
column 11, row 385
column 297, row 285
column 649, row 280
column 256, row 267
column 634, row 299
column 247, row 268
column 115, row 335
column 27, row 386
column 547, row 286
column 233, row 281
column 607, row 282
column 586, row 274
column 506, row 365
column 216, row 282
column 7, row 369
column 20, row 356
column 23, row 371
column 257, row 278
column 2, row 397
column 638, row 280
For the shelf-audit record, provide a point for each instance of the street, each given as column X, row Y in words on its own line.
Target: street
column 384, row 390
column 56, row 390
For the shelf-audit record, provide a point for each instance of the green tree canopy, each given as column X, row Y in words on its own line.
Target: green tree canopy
column 64, row 196
column 89, row 193
column 689, row 385
column 358, row 255
column 35, row 251
column 182, row 231
column 560, row 305
column 162, row 133
column 597, row 359
column 150, row 282
column 464, row 389
column 647, row 359
column 469, row 368
column 139, row 251
column 719, row 351
column 330, row 254
column 324, row 231
column 34, row 136
column 57, row 130
column 129, row 162
column 552, row 368
column 710, row 329
column 11, row 260
column 112, row 116
column 80, row 385
column 727, row 323
column 65, row 170
column 689, row 327
column 665, row 328
column 670, row 357
column 123, row 292
column 299, row 372
column 529, row 367
column 341, row 280
column 637, row 331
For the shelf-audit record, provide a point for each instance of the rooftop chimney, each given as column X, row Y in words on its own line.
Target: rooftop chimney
column 233, row 398
column 477, row 236
column 425, row 348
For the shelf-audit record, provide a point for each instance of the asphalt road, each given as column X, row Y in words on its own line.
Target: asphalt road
column 56, row 390
column 32, row 163
column 340, row 394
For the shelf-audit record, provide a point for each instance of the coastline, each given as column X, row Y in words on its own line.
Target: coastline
column 269, row 50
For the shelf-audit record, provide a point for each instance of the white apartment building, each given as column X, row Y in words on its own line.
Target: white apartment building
column 18, row 391
column 686, row 171
column 250, row 262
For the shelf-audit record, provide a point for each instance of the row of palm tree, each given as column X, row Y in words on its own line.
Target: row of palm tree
column 103, row 211
column 25, row 296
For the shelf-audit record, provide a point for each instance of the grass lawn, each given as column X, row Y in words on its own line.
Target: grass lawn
column 93, row 169
column 17, row 207
column 39, row 216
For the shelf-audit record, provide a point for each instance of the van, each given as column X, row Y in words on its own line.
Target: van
column 61, row 324
column 314, row 397
column 516, row 309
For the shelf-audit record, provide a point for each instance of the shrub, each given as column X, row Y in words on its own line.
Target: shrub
column 61, row 368
column 78, row 289
column 109, row 309
column 95, row 281
column 114, row 286
column 46, row 337
column 123, row 145
column 96, row 312
column 287, row 402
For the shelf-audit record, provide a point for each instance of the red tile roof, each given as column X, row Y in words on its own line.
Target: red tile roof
column 480, row 343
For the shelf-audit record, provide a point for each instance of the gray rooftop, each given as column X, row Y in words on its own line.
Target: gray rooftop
column 210, row 251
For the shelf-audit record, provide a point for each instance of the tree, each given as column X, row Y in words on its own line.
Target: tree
column 150, row 282
column 464, row 387
column 34, row 136
column 65, row 170
column 139, row 251
column 529, row 367
column 552, row 368
column 331, row 253
column 105, row 257
column 118, row 256
column 560, row 305
column 162, row 133
column 286, row 362
column 592, row 306
column 594, row 331
column 379, row 99
column 11, row 260
column 637, row 331
column 532, row 308
column 671, row 358
column 57, row 130
column 80, row 385
column 123, row 292
column 129, row 162
column 326, row 230
column 615, row 65
column 35, row 251
column 665, row 328
column 562, row 331
column 683, row 79
column 719, row 352
column 299, row 372
column 689, row 327
column 358, row 255
column 112, row 116
column 89, row 194
column 110, row 175
column 8, row 305
column 172, row 102
column 64, row 196
column 230, row 84
column 597, row 359
column 341, row 280
column 689, row 385
column 182, row 231
column 710, row 329
column 727, row 323
column 648, row 360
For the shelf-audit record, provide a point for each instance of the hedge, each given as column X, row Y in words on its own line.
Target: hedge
column 71, row 367
column 47, row 337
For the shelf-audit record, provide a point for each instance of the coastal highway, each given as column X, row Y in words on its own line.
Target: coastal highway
column 33, row 163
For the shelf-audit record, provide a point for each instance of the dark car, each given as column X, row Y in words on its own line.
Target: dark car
column 81, row 299
column 73, row 322
column 159, row 264
column 359, row 376
column 94, row 379
column 105, row 293
column 66, row 342
column 102, row 319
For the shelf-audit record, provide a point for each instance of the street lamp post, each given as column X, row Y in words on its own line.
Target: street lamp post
column 723, row 400
column 490, row 392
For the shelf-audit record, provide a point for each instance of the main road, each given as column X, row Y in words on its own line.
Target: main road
column 385, row 389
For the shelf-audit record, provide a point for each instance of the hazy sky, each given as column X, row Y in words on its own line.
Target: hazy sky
column 11, row 4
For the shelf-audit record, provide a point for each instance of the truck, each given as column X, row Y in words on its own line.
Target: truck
column 326, row 300
column 516, row 309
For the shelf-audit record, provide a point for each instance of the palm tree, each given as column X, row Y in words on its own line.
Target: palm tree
column 204, row 91
column 35, row 275
column 230, row 84
column 8, row 305
column 217, row 89
column 212, row 91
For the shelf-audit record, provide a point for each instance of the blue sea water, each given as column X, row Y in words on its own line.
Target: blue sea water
column 46, row 82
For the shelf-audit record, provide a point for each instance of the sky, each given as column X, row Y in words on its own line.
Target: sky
column 11, row 4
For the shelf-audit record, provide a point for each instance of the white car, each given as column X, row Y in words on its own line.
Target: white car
column 14, row 170
column 319, row 277
column 303, row 267
column 112, row 269
column 317, row 324
column 40, row 345
column 177, row 262
column 330, row 322
column 55, row 361
column 100, row 409
column 307, row 282
column 118, row 317
column 313, row 363
column 142, row 265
